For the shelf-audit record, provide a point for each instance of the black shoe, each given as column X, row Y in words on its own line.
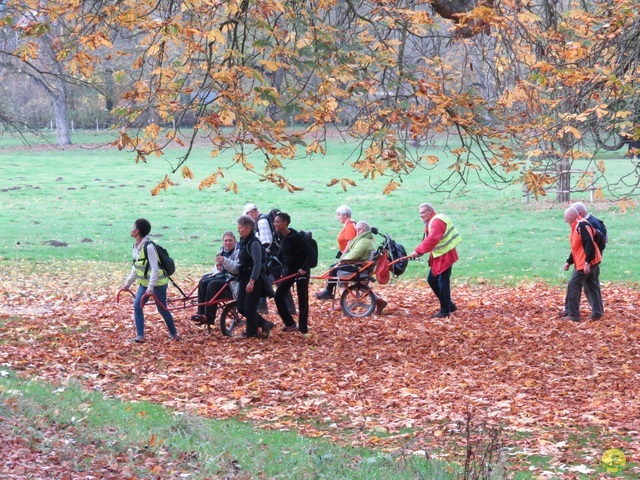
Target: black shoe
column 290, row 328
column 266, row 329
column 244, row 334
column 573, row 319
column 199, row 319
column 562, row 313
column 440, row 315
column 453, row 307
column 324, row 295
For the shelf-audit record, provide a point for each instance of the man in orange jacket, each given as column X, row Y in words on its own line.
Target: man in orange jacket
column 440, row 240
column 586, row 257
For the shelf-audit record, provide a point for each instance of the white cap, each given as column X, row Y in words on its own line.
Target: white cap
column 248, row 207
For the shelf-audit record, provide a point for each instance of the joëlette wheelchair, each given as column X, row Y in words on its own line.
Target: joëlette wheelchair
column 230, row 320
column 355, row 278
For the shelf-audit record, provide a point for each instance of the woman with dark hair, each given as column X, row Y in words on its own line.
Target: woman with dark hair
column 150, row 278
column 252, row 282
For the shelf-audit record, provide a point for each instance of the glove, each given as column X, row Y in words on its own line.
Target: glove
column 338, row 255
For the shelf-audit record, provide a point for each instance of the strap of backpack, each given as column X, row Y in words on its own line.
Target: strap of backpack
column 146, row 258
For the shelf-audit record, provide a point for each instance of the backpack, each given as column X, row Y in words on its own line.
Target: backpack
column 270, row 217
column 397, row 251
column 600, row 239
column 599, row 233
column 313, row 247
column 165, row 261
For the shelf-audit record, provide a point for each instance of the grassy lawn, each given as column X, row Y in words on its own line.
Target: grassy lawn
column 87, row 199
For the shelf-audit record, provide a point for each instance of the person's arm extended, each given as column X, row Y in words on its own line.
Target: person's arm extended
column 436, row 232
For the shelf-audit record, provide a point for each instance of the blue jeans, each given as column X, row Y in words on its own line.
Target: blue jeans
column 138, row 314
column 441, row 286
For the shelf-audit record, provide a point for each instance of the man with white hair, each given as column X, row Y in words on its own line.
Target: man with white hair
column 586, row 257
column 263, row 229
column 596, row 223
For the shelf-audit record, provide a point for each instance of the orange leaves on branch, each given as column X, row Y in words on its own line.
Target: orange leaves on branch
column 344, row 183
column 212, row 180
column 390, row 187
column 536, row 183
column 123, row 141
column 232, row 187
column 568, row 129
column 187, row 173
column 626, row 204
column 600, row 166
column 95, row 40
column 152, row 130
column 163, row 185
column 28, row 51
column 281, row 182
column 315, row 147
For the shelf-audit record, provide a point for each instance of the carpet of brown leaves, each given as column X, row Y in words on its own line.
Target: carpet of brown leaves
column 504, row 354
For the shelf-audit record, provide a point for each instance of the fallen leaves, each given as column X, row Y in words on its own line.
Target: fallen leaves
column 505, row 354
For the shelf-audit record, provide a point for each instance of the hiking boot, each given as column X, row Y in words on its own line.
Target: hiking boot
column 440, row 315
column 138, row 339
column 380, row 305
column 266, row 329
column 453, row 307
column 174, row 338
column 290, row 328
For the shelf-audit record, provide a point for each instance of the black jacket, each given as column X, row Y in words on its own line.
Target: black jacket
column 295, row 253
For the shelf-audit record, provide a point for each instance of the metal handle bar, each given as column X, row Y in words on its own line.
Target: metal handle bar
column 123, row 290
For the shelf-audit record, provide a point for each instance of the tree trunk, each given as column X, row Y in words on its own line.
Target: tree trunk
column 59, row 101
column 564, row 180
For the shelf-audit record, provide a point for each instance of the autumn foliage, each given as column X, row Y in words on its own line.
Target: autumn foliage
column 517, row 85
column 400, row 379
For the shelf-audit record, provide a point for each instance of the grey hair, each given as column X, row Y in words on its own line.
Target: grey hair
column 246, row 221
column 229, row 233
column 427, row 205
column 344, row 210
column 364, row 226
column 581, row 209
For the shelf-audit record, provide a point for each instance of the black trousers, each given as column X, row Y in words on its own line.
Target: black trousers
column 441, row 286
column 248, row 305
column 283, row 292
column 209, row 285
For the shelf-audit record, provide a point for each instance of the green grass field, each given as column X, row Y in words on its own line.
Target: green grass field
column 87, row 198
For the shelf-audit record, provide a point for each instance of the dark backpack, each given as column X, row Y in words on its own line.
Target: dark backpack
column 397, row 251
column 313, row 247
column 270, row 217
column 600, row 239
column 600, row 233
column 164, row 260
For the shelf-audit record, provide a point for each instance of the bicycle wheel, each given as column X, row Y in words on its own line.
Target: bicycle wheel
column 358, row 301
column 231, row 320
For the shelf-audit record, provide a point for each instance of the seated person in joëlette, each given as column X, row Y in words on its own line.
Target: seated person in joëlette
column 359, row 250
column 211, row 283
